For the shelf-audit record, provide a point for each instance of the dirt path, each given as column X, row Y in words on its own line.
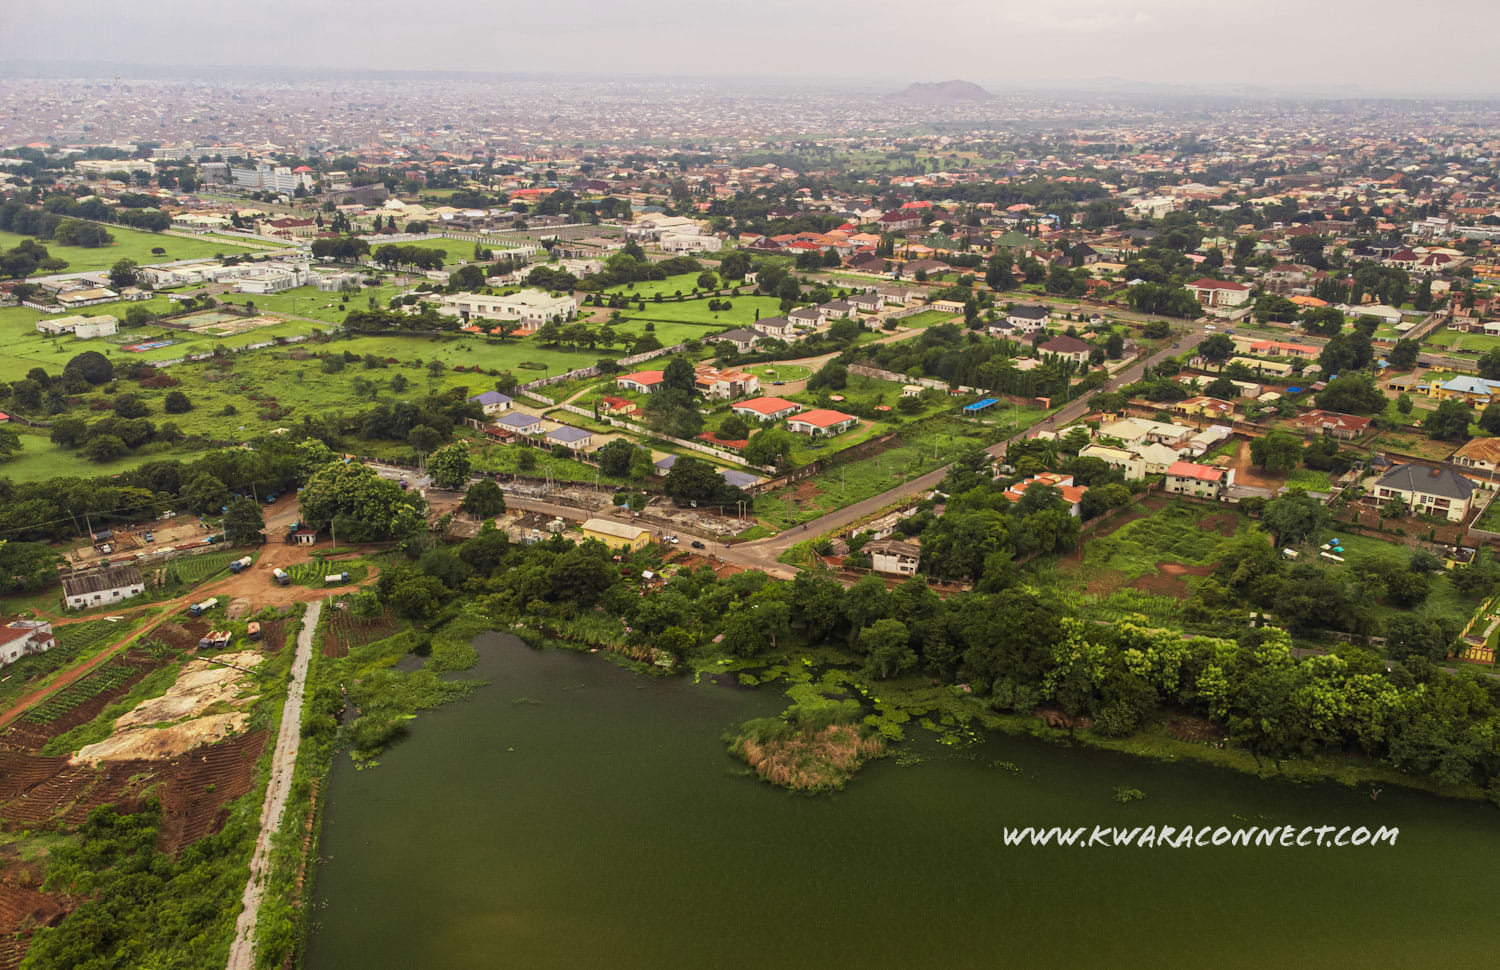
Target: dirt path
column 67, row 677
column 283, row 760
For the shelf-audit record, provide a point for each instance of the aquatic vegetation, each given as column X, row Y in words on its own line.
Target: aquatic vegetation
column 810, row 751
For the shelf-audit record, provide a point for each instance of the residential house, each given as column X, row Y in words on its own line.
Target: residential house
column 576, row 439
column 1282, row 348
column 1203, row 481
column 618, row 406
column 530, row 308
column 1205, row 407
column 721, row 385
column 866, row 302
column 1426, row 490
column 1135, row 432
column 641, row 381
column 1481, row 454
column 743, row 340
column 766, row 408
column 1477, row 392
column 779, row 327
column 100, row 587
column 1345, row 427
column 1125, row 459
column 1028, row 318
column 21, row 637
column 821, row 422
column 894, row 557
column 617, row 535
column 1219, row 293
column 901, row 220
column 1070, row 348
column 519, row 423
column 492, row 402
column 837, row 310
column 807, row 317
column 1070, row 493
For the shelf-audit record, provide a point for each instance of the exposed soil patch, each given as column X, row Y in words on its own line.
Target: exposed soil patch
column 345, row 632
column 1057, row 719
column 30, row 732
column 183, row 635
column 1170, row 579
column 1224, row 523
column 1185, row 727
column 272, row 635
column 1245, row 473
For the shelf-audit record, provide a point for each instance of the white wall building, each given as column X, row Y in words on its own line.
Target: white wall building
column 531, row 308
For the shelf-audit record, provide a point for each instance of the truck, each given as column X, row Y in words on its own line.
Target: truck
column 333, row 579
column 253, row 630
column 198, row 609
column 281, row 576
column 240, row 565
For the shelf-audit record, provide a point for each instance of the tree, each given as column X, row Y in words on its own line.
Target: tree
column 104, row 447
column 483, row 500
column 886, row 645
column 204, row 494
column 1325, row 320
column 399, row 383
column 1352, row 394
column 177, row 403
column 1450, row 422
column 91, row 366
column 10, row 443
column 615, row 458
column 122, row 273
column 449, row 467
column 1217, row 348
column 1404, row 355
column 243, row 523
column 1404, row 406
column 770, row 447
column 1295, row 517
column 358, row 503
column 1278, row 451
column 424, row 439
column 733, row 428
column 1489, row 365
column 677, row 375
column 131, row 406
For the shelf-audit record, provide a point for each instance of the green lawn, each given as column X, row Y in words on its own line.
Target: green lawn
column 927, row 318
column 130, row 244
column 779, row 372
column 309, row 301
column 742, row 312
column 1476, row 342
column 25, row 348
column 686, row 282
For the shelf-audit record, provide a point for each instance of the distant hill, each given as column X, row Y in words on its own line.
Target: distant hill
column 942, row 92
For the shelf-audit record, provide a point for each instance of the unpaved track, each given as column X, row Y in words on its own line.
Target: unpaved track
column 242, row 950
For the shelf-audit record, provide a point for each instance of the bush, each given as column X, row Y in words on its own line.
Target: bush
column 176, row 403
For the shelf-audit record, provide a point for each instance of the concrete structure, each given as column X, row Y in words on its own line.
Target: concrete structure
column 743, row 340
column 766, row 408
column 493, row 402
column 1204, row 481
column 1345, row 427
column 1481, row 454
column 530, row 308
column 100, row 587
column 1027, row 318
column 1219, row 293
column 84, row 328
column 722, row 385
column 21, row 637
column 641, row 381
column 577, row 439
column 894, row 557
column 821, row 423
column 519, row 422
column 1440, row 492
column 617, row 535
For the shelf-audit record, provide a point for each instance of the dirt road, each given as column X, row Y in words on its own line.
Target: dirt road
column 283, row 760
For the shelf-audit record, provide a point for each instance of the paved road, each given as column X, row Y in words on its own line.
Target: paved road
column 283, row 760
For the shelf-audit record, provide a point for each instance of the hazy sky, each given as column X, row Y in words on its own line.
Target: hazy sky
column 1441, row 46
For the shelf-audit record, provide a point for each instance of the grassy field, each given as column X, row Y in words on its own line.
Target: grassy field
column 25, row 348
column 927, row 318
column 686, row 282
column 1414, row 444
column 742, row 312
column 779, row 372
column 130, row 244
column 308, row 301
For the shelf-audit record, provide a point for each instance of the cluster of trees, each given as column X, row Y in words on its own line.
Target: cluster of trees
column 345, row 249
column 1166, row 299
column 391, row 255
column 358, row 505
column 630, row 265
column 974, row 360
column 27, row 257
column 65, row 230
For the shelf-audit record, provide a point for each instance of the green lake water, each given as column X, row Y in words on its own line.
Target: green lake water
column 572, row 814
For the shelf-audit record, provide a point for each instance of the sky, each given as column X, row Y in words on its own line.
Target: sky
column 1379, row 46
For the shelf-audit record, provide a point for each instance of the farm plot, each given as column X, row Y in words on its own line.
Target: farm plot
column 74, row 641
column 343, row 632
column 1157, row 553
column 314, row 573
column 192, row 570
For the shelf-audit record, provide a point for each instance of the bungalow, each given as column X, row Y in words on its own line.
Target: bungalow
column 1477, row 392
column 1219, row 293
column 1028, row 318
column 894, row 557
column 617, row 535
column 492, row 402
column 1069, row 348
column 1071, row 494
column 1205, row 407
column 807, row 317
column 766, row 408
column 1203, row 481
column 1343, row 426
column 1281, row 348
column 576, row 439
column 1124, row 459
column 866, row 302
column 821, row 423
column 618, row 406
column 100, row 587
column 21, row 637
column 1427, row 490
column 837, row 310
column 743, row 340
column 641, row 381
column 519, row 423
column 900, row 220
column 779, row 327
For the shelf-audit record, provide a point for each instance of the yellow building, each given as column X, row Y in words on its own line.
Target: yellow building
column 617, row 535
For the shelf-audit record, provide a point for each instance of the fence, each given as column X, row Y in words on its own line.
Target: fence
column 593, row 369
column 909, row 311
column 865, row 370
column 864, row 449
column 697, row 446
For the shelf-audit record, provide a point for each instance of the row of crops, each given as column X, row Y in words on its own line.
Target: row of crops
column 107, row 678
column 312, row 573
column 195, row 569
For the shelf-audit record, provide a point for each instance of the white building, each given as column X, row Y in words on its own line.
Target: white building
column 531, row 308
column 101, row 587
column 21, row 637
column 84, row 328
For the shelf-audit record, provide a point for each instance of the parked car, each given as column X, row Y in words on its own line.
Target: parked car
column 150, row 537
column 698, row 545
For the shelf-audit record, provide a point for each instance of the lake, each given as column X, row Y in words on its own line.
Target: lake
column 574, row 814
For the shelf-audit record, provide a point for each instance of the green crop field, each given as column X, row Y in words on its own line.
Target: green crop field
column 130, row 244
column 192, row 570
column 100, row 681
